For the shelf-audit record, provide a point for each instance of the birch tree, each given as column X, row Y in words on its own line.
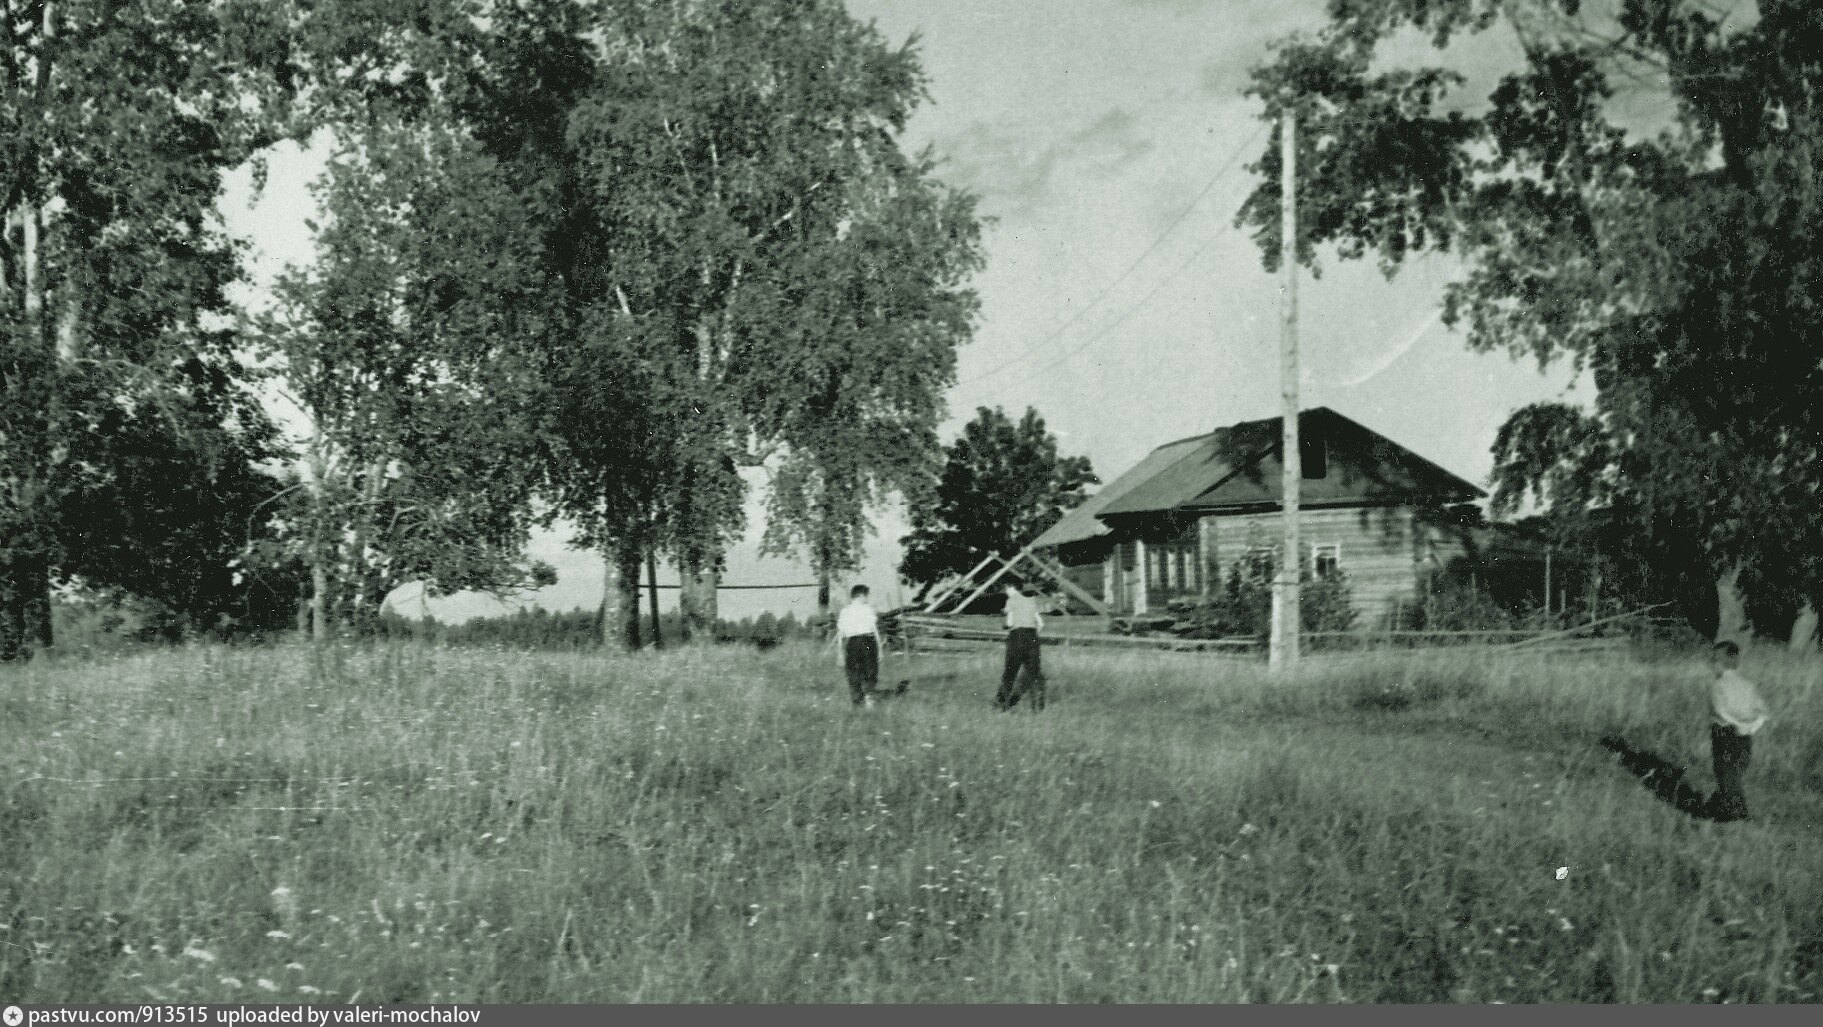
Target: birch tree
column 406, row 347
column 117, row 120
column 698, row 166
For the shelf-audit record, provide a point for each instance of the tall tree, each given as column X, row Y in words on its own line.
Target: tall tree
column 1675, row 261
column 1002, row 485
column 408, row 346
column 117, row 120
column 700, row 165
column 885, row 309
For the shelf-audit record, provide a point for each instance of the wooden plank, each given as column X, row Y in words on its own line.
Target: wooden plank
column 951, row 633
column 1369, row 635
column 989, row 583
column 1069, row 586
column 1580, row 628
column 956, row 585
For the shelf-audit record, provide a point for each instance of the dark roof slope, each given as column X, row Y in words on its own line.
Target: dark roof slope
column 1081, row 524
column 1363, row 467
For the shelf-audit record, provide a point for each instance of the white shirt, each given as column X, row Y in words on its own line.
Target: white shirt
column 1022, row 612
column 857, row 618
column 1737, row 702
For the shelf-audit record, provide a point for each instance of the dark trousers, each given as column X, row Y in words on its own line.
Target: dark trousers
column 861, row 658
column 1730, row 750
column 1021, row 653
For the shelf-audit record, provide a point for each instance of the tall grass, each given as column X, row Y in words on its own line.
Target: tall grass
column 406, row 823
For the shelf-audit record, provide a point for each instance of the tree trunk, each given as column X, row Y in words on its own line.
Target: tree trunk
column 658, row 637
column 317, row 554
column 628, row 573
column 1731, row 622
column 696, row 599
column 1804, row 629
column 610, row 601
column 620, row 599
column 12, row 617
column 35, row 591
column 25, row 616
column 319, row 600
column 363, row 583
column 824, row 599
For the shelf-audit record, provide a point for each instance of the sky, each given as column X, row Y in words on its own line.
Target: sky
column 1107, row 140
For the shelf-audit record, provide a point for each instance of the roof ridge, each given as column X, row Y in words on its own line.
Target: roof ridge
column 1187, row 438
column 1325, row 408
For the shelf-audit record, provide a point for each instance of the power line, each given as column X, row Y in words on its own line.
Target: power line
column 1130, row 311
column 1124, row 275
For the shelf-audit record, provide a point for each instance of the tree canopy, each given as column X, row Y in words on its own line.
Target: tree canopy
column 1002, row 484
column 1671, row 257
column 120, row 382
column 750, row 269
column 407, row 348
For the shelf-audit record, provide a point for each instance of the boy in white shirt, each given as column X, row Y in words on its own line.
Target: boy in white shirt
column 858, row 645
column 1739, row 712
column 1023, row 623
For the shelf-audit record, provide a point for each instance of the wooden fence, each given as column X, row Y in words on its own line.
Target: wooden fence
column 937, row 633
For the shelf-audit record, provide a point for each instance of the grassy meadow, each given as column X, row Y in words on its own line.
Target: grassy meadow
column 407, row 823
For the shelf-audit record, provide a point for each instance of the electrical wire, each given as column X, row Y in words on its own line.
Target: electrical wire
column 1228, row 165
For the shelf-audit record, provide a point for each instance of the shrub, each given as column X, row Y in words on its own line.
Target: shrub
column 1244, row 606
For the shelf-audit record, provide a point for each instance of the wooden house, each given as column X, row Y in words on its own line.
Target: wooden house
column 1174, row 525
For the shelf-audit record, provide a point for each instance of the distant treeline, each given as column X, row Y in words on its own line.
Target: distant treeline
column 538, row 628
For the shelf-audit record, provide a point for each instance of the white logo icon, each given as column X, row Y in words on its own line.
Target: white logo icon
column 14, row 1016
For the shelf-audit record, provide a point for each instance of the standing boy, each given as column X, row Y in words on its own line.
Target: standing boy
column 858, row 645
column 1023, row 623
column 1739, row 713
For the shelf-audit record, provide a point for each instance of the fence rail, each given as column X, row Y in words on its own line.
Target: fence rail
column 951, row 633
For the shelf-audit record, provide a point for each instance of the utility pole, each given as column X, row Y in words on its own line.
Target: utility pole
column 1283, row 656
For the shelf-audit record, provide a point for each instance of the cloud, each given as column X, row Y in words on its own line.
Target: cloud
column 1110, row 143
column 1014, row 170
column 1246, row 40
column 1227, row 78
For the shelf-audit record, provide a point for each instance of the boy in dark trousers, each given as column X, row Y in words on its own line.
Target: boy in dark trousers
column 1739, row 712
column 1023, row 623
column 858, row 646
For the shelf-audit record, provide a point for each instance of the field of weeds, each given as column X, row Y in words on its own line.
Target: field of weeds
column 406, row 823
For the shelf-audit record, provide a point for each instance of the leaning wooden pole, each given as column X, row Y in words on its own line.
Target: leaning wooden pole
column 1283, row 655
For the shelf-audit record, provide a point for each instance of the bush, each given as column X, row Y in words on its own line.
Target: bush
column 1244, row 606
column 1461, row 606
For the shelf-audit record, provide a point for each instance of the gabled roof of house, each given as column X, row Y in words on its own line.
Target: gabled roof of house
column 1195, row 475
column 1081, row 524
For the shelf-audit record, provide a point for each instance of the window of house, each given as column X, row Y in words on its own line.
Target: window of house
column 1313, row 456
column 1326, row 558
